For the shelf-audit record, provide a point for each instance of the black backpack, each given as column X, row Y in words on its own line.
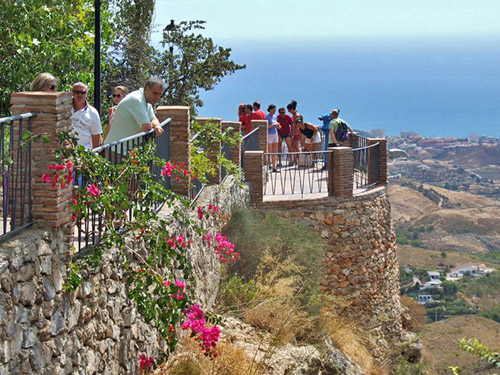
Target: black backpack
column 342, row 132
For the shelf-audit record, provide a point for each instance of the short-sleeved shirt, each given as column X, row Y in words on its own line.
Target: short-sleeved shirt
column 86, row 123
column 286, row 122
column 334, row 124
column 272, row 120
column 131, row 113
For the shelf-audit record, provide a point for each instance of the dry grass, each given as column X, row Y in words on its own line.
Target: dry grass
column 352, row 340
column 416, row 311
column 441, row 344
column 277, row 308
column 430, row 259
column 231, row 360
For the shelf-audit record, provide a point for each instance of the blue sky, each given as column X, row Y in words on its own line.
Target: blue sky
column 233, row 20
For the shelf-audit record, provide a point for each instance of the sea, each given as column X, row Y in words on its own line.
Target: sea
column 437, row 87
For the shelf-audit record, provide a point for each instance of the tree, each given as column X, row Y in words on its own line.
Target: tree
column 130, row 60
column 55, row 36
column 191, row 62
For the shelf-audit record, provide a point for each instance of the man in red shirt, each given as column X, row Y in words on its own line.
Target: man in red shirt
column 285, row 131
column 258, row 114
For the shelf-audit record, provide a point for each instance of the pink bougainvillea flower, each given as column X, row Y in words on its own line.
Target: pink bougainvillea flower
column 93, row 190
column 46, row 178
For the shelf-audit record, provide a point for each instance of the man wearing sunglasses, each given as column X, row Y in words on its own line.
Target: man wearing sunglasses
column 135, row 112
column 85, row 118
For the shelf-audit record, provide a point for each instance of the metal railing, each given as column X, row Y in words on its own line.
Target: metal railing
column 250, row 142
column 89, row 230
column 296, row 173
column 16, row 188
column 226, row 151
column 366, row 163
column 196, row 185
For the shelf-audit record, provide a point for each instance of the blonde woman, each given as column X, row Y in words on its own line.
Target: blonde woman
column 44, row 82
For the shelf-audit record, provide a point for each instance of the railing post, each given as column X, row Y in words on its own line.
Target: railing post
column 236, row 149
column 340, row 172
column 254, row 175
column 179, row 141
column 51, row 205
column 216, row 146
column 262, row 125
column 382, row 160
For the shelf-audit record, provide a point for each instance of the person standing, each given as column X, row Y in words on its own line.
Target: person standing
column 296, row 135
column 44, row 82
column 258, row 113
column 135, row 112
column 272, row 133
column 119, row 93
column 338, row 129
column 85, row 118
column 285, row 130
column 243, row 118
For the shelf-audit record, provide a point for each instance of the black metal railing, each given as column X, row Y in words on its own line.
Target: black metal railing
column 16, row 188
column 89, row 230
column 250, row 142
column 366, row 165
column 296, row 173
column 196, row 185
column 226, row 152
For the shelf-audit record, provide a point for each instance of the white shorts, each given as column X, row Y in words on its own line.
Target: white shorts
column 272, row 138
column 314, row 139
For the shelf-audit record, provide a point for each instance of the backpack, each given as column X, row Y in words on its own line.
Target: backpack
column 342, row 132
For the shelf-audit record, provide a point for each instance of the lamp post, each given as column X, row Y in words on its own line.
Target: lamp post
column 97, row 56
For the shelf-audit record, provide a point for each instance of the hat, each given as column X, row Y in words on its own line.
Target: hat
column 242, row 105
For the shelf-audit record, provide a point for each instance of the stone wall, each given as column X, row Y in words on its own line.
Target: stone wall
column 95, row 330
column 360, row 263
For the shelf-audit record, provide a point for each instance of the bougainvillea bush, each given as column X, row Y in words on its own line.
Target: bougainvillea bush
column 124, row 199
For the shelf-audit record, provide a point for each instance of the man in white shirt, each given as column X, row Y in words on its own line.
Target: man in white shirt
column 85, row 118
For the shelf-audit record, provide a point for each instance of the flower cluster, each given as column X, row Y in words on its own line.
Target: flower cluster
column 178, row 241
column 169, row 168
column 146, row 364
column 207, row 337
column 179, row 289
column 223, row 248
column 211, row 211
column 63, row 174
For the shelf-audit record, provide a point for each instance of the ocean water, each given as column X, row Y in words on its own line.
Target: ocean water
column 436, row 87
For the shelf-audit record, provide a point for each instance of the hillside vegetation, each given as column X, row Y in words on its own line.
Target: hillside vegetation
column 441, row 344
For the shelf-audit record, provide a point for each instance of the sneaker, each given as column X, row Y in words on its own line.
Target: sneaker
column 275, row 170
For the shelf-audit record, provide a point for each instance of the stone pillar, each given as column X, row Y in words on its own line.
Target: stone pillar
column 262, row 125
column 382, row 161
column 51, row 205
column 254, row 175
column 340, row 172
column 213, row 149
column 236, row 149
column 180, row 134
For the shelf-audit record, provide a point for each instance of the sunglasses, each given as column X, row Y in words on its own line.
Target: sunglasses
column 281, row 113
column 117, row 96
column 298, row 121
column 52, row 87
column 81, row 92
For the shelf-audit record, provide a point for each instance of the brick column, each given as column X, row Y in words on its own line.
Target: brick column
column 254, row 175
column 179, row 141
column 382, row 157
column 51, row 205
column 262, row 125
column 340, row 172
column 213, row 149
column 236, row 149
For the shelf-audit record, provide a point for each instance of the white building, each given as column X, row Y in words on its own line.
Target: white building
column 475, row 270
column 424, row 298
